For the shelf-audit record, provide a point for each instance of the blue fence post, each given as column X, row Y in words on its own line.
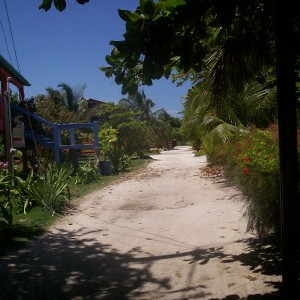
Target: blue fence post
column 72, row 135
column 96, row 143
column 73, row 151
column 57, row 143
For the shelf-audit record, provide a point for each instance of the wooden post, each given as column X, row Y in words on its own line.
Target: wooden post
column 287, row 123
column 8, row 133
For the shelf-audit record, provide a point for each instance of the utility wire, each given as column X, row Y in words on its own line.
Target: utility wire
column 11, row 34
column 5, row 41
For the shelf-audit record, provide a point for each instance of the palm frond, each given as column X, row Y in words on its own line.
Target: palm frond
column 219, row 136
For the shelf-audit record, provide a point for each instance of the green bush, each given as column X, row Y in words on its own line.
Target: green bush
column 252, row 162
column 86, row 173
column 125, row 162
column 49, row 190
column 6, row 215
column 107, row 141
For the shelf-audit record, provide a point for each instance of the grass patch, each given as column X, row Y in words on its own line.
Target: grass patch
column 199, row 153
column 25, row 228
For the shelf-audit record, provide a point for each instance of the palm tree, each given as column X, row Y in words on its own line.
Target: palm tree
column 140, row 104
column 213, row 123
column 71, row 95
column 55, row 95
column 67, row 96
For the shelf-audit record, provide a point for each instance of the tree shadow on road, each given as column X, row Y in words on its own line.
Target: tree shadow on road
column 61, row 266
column 261, row 256
column 70, row 266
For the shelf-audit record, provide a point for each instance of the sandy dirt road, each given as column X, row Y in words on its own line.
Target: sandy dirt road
column 165, row 232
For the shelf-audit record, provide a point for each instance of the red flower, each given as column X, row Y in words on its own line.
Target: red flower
column 246, row 159
column 246, row 171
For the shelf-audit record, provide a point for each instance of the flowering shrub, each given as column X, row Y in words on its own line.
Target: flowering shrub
column 258, row 152
column 246, row 171
column 252, row 163
column 3, row 165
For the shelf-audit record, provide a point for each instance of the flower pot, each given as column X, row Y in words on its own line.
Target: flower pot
column 105, row 167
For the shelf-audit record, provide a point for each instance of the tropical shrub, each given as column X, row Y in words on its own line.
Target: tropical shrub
column 134, row 136
column 5, row 198
column 86, row 173
column 49, row 190
column 252, row 162
column 107, row 139
column 125, row 162
column 211, row 120
column 111, row 147
column 116, row 156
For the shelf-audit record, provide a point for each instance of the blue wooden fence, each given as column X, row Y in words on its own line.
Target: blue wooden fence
column 56, row 144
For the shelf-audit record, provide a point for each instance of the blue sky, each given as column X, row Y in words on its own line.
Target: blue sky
column 70, row 46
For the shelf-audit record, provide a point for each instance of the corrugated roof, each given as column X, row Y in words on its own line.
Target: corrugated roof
column 8, row 67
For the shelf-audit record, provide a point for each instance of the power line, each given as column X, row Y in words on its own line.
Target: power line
column 5, row 41
column 11, row 34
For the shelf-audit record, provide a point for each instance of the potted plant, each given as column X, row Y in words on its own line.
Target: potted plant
column 112, row 150
column 107, row 139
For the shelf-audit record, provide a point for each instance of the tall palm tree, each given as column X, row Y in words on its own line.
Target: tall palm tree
column 55, row 95
column 213, row 123
column 67, row 96
column 139, row 103
column 72, row 95
column 143, row 106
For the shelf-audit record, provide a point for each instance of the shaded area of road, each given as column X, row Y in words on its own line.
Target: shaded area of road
column 69, row 266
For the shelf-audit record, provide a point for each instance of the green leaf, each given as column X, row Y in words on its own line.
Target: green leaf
column 83, row 1
column 128, row 16
column 119, row 78
column 120, row 45
column 170, row 4
column 116, row 53
column 7, row 215
column 147, row 8
column 151, row 69
column 132, row 61
column 133, row 89
column 46, row 5
column 60, row 4
column 108, row 71
column 110, row 60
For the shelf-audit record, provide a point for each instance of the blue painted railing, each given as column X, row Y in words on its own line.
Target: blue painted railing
column 56, row 144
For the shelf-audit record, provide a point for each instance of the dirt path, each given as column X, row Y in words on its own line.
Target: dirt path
column 164, row 233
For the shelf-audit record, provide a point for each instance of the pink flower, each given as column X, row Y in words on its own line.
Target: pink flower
column 246, row 159
column 246, row 171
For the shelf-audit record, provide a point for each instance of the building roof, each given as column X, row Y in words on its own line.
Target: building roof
column 10, row 69
column 96, row 101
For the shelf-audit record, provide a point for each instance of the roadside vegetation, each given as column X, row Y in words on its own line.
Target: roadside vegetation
column 241, row 136
column 128, row 131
